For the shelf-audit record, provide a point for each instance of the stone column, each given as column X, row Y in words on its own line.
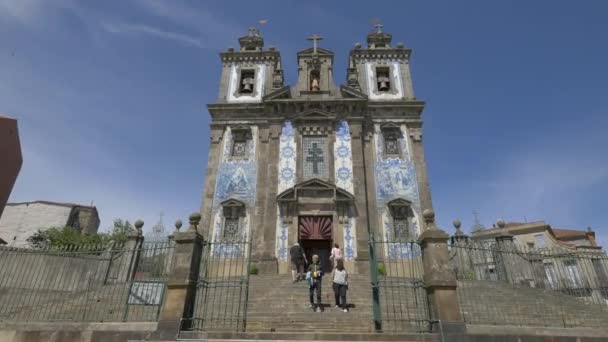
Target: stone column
column 263, row 254
column 362, row 165
column 415, row 135
column 181, row 286
column 439, row 281
column 215, row 156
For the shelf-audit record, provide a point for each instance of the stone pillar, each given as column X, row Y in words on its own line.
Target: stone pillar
column 363, row 165
column 461, row 255
column 215, row 156
column 424, row 189
column 130, row 257
column 505, row 257
column 263, row 256
column 439, row 280
column 181, row 286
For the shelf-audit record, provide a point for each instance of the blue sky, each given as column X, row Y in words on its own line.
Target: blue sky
column 111, row 98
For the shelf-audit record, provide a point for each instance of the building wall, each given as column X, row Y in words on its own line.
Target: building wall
column 20, row 221
column 10, row 158
column 88, row 219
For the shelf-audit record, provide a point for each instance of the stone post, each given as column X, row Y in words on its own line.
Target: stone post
column 181, row 286
column 461, row 255
column 505, row 255
column 439, row 280
column 130, row 257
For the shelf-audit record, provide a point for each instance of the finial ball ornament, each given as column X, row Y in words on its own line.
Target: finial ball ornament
column 195, row 217
column 456, row 223
column 139, row 224
column 501, row 223
column 178, row 224
column 428, row 214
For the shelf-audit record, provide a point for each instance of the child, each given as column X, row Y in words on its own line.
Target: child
column 336, row 254
column 340, row 278
column 315, row 274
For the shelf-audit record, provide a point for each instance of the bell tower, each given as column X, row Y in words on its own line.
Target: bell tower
column 381, row 71
column 250, row 73
column 315, row 70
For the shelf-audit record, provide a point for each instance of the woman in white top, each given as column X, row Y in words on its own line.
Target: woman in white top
column 336, row 254
column 340, row 285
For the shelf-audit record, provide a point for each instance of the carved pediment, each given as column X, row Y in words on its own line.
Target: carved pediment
column 399, row 202
column 232, row 203
column 314, row 114
column 316, row 187
column 320, row 52
column 390, row 125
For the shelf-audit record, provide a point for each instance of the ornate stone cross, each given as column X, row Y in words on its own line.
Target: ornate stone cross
column 379, row 28
column 314, row 38
column 315, row 156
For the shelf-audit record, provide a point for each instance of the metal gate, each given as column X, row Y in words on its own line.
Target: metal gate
column 223, row 286
column 400, row 301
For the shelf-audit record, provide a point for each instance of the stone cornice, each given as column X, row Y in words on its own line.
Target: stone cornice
column 250, row 56
column 393, row 54
column 342, row 107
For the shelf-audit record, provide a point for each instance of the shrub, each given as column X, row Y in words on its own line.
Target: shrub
column 253, row 270
column 381, row 269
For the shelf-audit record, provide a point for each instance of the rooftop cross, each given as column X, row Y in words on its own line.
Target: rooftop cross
column 379, row 28
column 314, row 38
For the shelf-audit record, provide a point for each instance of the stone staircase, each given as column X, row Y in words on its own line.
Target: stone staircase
column 496, row 303
column 276, row 304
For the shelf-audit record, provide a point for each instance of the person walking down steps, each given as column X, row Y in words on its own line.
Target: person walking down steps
column 336, row 254
column 314, row 277
column 298, row 261
column 340, row 285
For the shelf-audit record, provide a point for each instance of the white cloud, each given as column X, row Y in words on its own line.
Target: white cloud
column 124, row 28
column 557, row 177
column 214, row 29
column 35, row 13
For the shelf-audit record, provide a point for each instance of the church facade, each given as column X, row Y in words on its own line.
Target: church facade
column 316, row 163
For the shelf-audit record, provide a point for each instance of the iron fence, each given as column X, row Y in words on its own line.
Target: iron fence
column 88, row 283
column 400, row 301
column 223, row 287
column 506, row 284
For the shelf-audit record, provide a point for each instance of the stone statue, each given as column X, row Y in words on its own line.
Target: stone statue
column 314, row 85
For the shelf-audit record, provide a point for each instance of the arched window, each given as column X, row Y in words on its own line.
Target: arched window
column 383, row 80
column 247, row 85
column 315, row 79
column 401, row 216
column 392, row 137
column 234, row 213
column 241, row 138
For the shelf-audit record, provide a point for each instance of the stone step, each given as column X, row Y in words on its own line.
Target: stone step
column 306, row 336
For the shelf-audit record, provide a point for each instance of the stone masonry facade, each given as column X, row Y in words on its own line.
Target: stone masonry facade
column 315, row 163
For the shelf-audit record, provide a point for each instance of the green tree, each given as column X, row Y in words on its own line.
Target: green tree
column 121, row 230
column 65, row 236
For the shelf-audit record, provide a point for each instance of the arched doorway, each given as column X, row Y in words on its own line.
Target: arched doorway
column 315, row 236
